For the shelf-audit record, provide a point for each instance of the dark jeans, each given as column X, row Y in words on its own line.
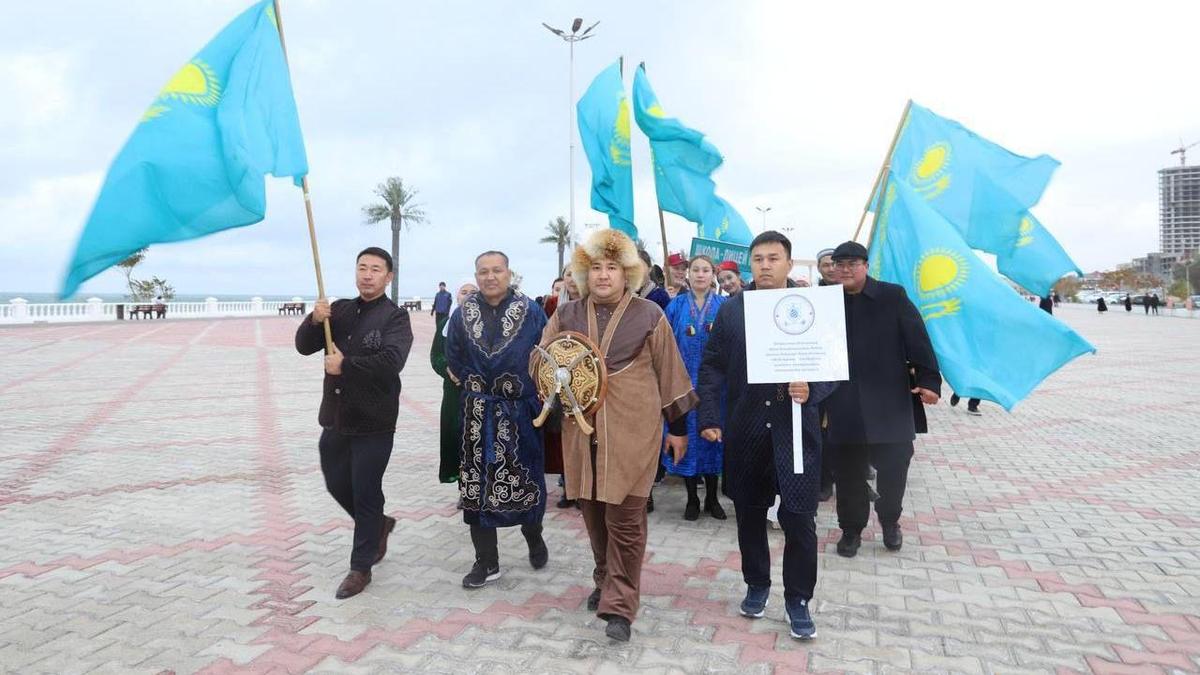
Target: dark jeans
column 799, row 549
column 485, row 541
column 891, row 462
column 353, row 467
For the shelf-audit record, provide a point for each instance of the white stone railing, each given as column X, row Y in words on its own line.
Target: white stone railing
column 21, row 311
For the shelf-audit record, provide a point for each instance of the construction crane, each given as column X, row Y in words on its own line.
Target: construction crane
column 1182, row 151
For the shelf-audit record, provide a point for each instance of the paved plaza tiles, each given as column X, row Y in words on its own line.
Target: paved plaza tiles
column 162, row 509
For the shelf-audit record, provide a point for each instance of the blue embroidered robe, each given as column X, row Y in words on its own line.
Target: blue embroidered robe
column 502, row 478
column 691, row 324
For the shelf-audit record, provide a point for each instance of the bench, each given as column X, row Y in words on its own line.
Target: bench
column 292, row 308
column 148, row 311
column 412, row 304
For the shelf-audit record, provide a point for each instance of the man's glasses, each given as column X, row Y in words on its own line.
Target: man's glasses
column 846, row 264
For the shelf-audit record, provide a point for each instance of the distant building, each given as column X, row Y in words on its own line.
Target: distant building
column 1178, row 211
column 1160, row 265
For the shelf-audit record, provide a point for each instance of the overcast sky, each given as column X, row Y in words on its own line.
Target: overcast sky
column 468, row 102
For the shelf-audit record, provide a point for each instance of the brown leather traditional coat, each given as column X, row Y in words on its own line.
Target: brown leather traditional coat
column 647, row 382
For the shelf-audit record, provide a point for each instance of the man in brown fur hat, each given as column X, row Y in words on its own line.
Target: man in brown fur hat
column 611, row 470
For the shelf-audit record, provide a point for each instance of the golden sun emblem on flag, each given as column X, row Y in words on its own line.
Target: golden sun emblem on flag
column 938, row 275
column 1026, row 232
column 930, row 175
column 618, row 147
column 195, row 83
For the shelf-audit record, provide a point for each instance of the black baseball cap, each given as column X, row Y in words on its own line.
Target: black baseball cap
column 849, row 249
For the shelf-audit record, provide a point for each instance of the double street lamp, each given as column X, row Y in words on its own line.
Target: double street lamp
column 763, row 211
column 571, row 38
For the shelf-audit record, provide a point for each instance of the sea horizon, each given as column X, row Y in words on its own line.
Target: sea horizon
column 38, row 298
column 42, row 298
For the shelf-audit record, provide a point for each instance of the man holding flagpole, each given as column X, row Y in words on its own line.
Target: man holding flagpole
column 361, row 400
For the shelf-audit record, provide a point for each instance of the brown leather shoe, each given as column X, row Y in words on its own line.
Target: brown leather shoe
column 353, row 584
column 389, row 524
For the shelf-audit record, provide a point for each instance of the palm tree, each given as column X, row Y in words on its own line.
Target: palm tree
column 399, row 209
column 560, row 236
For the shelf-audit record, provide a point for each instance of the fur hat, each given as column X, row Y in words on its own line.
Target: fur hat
column 607, row 244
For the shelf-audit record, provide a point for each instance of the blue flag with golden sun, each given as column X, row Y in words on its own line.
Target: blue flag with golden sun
column 196, row 162
column 603, row 115
column 683, row 159
column 990, row 342
column 683, row 165
column 985, row 191
column 1037, row 260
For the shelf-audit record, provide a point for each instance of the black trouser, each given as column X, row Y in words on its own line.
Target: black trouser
column 891, row 462
column 799, row 549
column 487, row 550
column 353, row 467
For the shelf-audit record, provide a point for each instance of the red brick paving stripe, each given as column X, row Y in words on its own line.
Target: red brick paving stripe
column 67, row 365
column 66, row 443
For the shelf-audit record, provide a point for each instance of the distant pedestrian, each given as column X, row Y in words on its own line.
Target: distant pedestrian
column 1154, row 303
column 972, row 404
column 1128, row 303
column 441, row 304
column 1047, row 304
column 1101, row 306
column 1146, row 304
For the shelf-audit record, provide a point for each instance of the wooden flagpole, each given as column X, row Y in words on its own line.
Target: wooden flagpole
column 662, row 227
column 312, row 227
column 880, row 178
column 662, row 223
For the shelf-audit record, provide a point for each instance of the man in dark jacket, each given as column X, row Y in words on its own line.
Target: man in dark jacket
column 441, row 304
column 758, row 448
column 871, row 418
column 371, row 339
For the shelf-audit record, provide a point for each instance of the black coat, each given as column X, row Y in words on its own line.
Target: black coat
column 886, row 336
column 758, row 429
column 374, row 338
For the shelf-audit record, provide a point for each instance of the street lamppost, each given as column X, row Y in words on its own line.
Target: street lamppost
column 763, row 211
column 571, row 38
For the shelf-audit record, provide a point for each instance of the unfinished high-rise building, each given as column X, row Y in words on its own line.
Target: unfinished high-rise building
column 1179, row 210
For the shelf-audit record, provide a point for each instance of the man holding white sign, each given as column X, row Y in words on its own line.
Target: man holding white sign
column 756, row 423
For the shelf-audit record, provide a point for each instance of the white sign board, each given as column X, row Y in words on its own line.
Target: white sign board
column 796, row 334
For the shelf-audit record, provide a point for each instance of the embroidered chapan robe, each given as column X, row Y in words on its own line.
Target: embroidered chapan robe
column 647, row 383
column 502, row 478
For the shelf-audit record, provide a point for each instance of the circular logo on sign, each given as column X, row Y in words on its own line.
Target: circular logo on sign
column 794, row 314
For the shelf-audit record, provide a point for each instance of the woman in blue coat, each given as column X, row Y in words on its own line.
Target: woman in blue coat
column 691, row 315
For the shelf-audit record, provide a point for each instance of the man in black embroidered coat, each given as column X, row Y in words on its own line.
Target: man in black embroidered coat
column 758, row 448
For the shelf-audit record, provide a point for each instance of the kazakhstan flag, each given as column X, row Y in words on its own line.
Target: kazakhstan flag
column 195, row 164
column 990, row 342
column 985, row 191
column 1025, row 251
column 1037, row 260
column 945, row 162
column 603, row 115
column 683, row 160
column 722, row 222
column 683, row 166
